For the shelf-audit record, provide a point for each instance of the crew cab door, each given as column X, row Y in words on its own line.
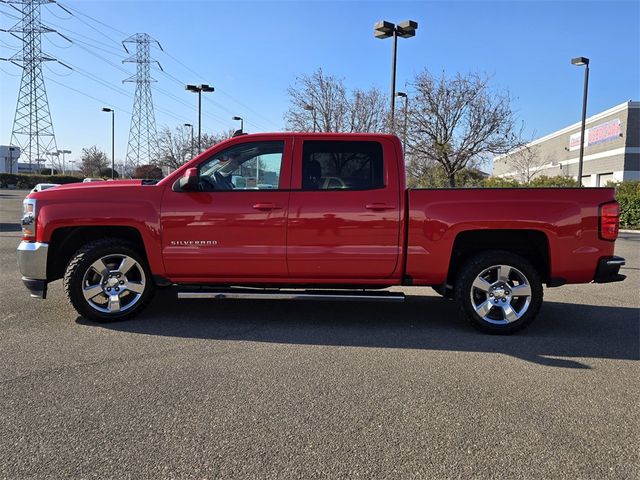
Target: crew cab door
column 235, row 226
column 344, row 209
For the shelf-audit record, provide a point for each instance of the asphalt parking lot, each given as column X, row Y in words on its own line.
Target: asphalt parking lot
column 267, row 389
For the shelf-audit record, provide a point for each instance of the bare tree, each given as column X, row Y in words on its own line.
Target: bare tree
column 458, row 122
column 321, row 102
column 176, row 148
column 527, row 162
column 93, row 161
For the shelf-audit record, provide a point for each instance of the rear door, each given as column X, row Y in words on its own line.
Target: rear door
column 344, row 209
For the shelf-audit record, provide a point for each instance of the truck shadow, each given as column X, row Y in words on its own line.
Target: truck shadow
column 562, row 335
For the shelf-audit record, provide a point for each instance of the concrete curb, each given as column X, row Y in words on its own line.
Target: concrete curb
column 629, row 231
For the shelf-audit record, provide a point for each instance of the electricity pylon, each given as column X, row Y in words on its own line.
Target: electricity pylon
column 32, row 124
column 143, row 143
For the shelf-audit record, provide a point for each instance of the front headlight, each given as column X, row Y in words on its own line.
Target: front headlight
column 29, row 219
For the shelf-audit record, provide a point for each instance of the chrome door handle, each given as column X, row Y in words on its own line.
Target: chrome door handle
column 266, row 206
column 379, row 206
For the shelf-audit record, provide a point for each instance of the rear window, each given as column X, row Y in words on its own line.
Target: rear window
column 341, row 165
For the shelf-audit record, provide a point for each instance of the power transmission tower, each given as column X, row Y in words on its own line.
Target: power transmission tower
column 143, row 143
column 32, row 124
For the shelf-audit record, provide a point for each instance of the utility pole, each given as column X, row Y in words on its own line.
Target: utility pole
column 63, row 152
column 143, row 142
column 32, row 124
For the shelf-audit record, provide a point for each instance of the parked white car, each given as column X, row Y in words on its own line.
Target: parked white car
column 86, row 180
column 43, row 186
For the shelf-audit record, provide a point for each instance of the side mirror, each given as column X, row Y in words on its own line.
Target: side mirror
column 188, row 182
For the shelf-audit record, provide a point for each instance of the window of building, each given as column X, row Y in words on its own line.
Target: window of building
column 341, row 165
column 605, row 178
column 248, row 166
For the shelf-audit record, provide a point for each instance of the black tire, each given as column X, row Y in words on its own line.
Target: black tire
column 505, row 304
column 81, row 276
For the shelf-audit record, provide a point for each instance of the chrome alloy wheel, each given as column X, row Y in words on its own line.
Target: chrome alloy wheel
column 501, row 294
column 113, row 283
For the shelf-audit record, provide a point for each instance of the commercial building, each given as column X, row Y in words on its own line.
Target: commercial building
column 9, row 163
column 611, row 150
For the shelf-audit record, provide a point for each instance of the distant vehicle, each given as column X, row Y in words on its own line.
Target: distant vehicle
column 43, row 186
column 87, row 180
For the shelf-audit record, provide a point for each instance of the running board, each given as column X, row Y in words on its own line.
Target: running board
column 260, row 294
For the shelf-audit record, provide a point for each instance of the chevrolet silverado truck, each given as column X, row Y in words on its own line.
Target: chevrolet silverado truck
column 314, row 216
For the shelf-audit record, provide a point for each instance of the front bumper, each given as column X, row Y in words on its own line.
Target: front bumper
column 32, row 262
column 608, row 268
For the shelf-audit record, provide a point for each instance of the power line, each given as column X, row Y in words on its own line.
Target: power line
column 103, row 102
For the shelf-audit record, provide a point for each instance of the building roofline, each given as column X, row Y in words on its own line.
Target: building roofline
column 618, row 108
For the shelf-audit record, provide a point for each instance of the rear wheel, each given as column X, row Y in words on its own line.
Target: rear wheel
column 499, row 292
column 108, row 280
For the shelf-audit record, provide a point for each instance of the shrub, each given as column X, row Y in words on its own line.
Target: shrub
column 499, row 182
column 558, row 181
column 27, row 182
column 628, row 195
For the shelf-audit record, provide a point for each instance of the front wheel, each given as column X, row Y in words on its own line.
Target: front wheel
column 108, row 280
column 499, row 292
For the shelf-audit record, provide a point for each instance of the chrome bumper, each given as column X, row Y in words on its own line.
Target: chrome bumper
column 32, row 259
column 32, row 262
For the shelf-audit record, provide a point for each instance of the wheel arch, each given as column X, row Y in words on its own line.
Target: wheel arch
column 65, row 241
column 533, row 245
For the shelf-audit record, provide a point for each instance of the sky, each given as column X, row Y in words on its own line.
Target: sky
column 251, row 52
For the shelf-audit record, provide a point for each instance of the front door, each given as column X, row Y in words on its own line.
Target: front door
column 235, row 225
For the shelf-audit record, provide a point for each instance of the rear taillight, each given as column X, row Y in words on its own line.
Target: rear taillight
column 609, row 220
column 28, row 219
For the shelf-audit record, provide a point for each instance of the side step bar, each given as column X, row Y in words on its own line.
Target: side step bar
column 260, row 294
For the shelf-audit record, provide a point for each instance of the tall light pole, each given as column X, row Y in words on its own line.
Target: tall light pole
column 199, row 89
column 52, row 153
column 579, row 61
column 406, row 114
column 312, row 109
column 384, row 29
column 113, row 140
column 63, row 152
column 241, row 122
column 190, row 125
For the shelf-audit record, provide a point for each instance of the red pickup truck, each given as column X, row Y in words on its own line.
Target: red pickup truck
column 314, row 216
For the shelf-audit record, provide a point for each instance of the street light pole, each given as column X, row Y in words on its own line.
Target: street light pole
column 113, row 140
column 384, row 29
column 63, row 159
column 191, row 126
column 199, row 89
column 406, row 114
column 241, row 122
column 312, row 109
column 579, row 61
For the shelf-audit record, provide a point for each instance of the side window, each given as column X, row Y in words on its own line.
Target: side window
column 341, row 165
column 249, row 166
